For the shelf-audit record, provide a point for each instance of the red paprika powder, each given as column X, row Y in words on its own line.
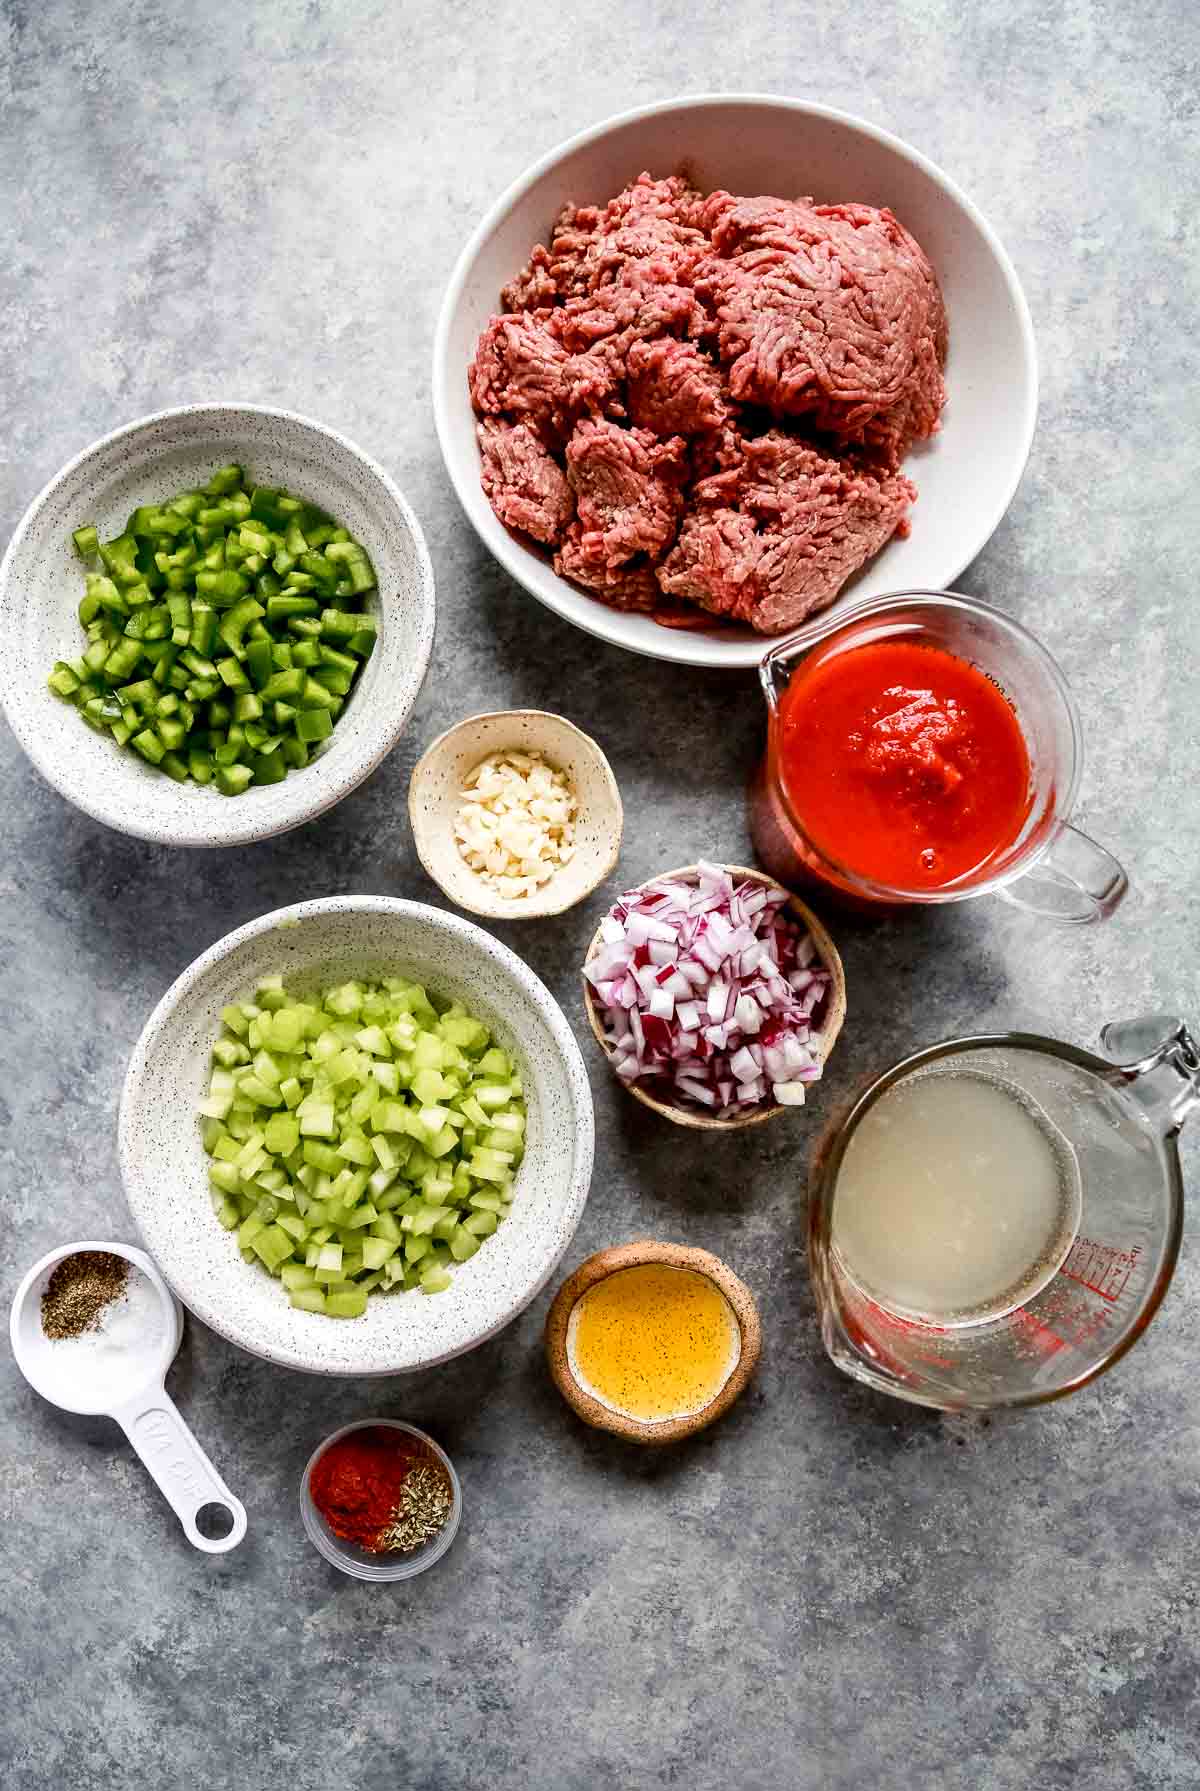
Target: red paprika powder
column 357, row 1483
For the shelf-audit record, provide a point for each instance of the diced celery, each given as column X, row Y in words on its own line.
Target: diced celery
column 376, row 1251
column 317, row 1119
column 429, row 1085
column 346, row 1302
column 355, row 1149
column 224, row 1176
column 429, row 1052
column 282, row 1134
column 273, row 1245
column 309, row 1123
column 307, row 1299
column 463, row 1244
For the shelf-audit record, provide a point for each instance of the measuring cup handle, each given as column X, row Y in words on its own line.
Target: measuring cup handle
column 182, row 1470
column 1074, row 881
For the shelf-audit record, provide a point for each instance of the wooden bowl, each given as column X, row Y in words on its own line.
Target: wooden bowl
column 824, row 1041
column 629, row 1256
column 435, row 792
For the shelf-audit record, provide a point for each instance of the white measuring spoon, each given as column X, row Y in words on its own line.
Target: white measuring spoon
column 133, row 1394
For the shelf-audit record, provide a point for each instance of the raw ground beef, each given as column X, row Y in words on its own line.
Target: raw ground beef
column 625, row 586
column 830, row 312
column 521, row 370
column 769, row 541
column 628, row 489
column 527, row 487
column 704, row 400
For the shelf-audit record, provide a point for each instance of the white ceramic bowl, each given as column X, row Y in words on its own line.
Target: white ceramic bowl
column 764, row 144
column 434, row 795
column 165, row 1169
column 41, row 583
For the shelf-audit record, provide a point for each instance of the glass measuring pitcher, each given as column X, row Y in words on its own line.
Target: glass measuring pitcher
column 1050, row 867
column 1121, row 1120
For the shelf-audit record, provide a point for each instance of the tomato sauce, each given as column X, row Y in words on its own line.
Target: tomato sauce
column 903, row 763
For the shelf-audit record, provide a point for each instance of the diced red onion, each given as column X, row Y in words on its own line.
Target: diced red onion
column 709, row 990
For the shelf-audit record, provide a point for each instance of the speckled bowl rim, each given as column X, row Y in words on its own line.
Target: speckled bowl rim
column 383, row 1570
column 553, row 1018
column 540, row 905
column 830, row 958
column 310, row 799
column 613, row 1261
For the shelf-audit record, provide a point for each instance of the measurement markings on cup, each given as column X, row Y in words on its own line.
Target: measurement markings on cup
column 1101, row 1268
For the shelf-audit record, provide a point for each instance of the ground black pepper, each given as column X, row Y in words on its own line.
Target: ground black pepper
column 79, row 1289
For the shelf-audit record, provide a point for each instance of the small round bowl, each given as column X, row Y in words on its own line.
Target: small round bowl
column 41, row 583
column 360, row 1563
column 764, row 143
column 835, row 1011
column 435, row 792
column 165, row 1169
column 628, row 1256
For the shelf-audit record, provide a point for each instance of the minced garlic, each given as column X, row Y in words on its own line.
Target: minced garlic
column 516, row 823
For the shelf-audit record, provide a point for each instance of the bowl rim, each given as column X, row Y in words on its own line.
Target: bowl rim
column 536, row 907
column 267, row 824
column 827, row 952
column 612, row 1261
column 296, row 913
column 737, row 655
column 336, row 1552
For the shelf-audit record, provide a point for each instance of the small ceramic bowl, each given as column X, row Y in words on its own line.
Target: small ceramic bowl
column 824, row 1041
column 165, row 1169
column 628, row 1256
column 435, row 793
column 360, row 1563
column 41, row 583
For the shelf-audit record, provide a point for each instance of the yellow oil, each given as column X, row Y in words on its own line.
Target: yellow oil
column 654, row 1342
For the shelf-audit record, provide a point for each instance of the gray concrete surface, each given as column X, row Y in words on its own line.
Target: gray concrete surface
column 829, row 1591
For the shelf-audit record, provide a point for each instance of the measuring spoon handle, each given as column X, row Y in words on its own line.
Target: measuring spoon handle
column 182, row 1470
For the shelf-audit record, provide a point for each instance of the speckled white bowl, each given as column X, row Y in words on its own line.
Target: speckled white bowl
column 165, row 1169
column 435, row 791
column 41, row 583
column 764, row 143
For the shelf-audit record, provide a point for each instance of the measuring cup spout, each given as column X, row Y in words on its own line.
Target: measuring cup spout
column 1158, row 1063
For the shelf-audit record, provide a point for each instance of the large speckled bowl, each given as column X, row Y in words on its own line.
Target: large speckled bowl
column 41, row 583
column 165, row 1169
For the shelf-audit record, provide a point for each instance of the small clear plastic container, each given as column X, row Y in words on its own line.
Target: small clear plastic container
column 361, row 1563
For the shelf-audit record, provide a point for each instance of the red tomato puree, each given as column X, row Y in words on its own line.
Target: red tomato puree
column 903, row 763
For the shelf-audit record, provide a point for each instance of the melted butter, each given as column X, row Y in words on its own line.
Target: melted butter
column 653, row 1342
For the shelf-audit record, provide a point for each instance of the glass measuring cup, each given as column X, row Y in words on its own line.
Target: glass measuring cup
column 1050, row 868
column 1121, row 1119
